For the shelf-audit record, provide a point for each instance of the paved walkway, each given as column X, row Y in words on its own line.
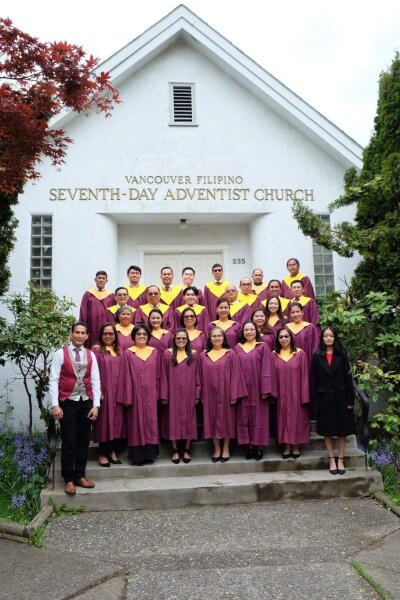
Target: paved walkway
column 288, row 551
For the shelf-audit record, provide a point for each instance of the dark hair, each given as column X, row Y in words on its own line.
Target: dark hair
column 337, row 345
column 167, row 267
column 121, row 287
column 265, row 329
column 120, row 310
column 291, row 304
column 216, row 265
column 193, row 288
column 101, row 273
column 209, row 345
column 137, row 328
column 188, row 269
column 77, row 324
column 278, row 346
column 280, row 312
column 272, row 280
column 295, row 259
column 133, row 268
column 116, row 340
column 220, row 301
column 182, row 320
column 158, row 311
column 297, row 281
column 188, row 347
column 242, row 339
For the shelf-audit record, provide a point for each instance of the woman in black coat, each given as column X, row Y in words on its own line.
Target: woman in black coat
column 332, row 394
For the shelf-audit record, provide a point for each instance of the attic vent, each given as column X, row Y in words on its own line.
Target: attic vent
column 182, row 104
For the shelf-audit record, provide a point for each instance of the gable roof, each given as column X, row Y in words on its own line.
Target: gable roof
column 183, row 23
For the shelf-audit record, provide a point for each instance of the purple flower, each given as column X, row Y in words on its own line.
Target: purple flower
column 18, row 501
column 382, row 458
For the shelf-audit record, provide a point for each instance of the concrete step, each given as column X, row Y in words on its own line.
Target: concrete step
column 216, row 489
column 202, row 465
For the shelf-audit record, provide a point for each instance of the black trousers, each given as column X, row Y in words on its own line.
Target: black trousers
column 75, row 437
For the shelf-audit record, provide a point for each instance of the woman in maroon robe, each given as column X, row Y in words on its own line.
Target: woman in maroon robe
column 306, row 335
column 293, row 266
column 197, row 337
column 289, row 379
column 191, row 300
column 266, row 334
column 253, row 410
column 139, row 391
column 179, row 392
column 93, row 309
column 124, row 326
column 160, row 338
column 224, row 321
column 110, row 424
column 222, row 384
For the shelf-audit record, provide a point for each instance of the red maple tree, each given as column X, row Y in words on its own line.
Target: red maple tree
column 37, row 81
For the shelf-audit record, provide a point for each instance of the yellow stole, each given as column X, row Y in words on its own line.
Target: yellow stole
column 217, row 290
column 146, row 308
column 169, row 297
column 113, row 309
column 126, row 331
column 247, row 299
column 259, row 288
column 289, row 279
column 235, row 307
column 99, row 294
column 284, row 302
column 297, row 327
column 135, row 292
column 303, row 300
column 197, row 308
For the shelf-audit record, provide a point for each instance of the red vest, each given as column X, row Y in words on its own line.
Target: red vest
column 67, row 379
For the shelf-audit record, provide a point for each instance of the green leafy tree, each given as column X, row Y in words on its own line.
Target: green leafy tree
column 40, row 324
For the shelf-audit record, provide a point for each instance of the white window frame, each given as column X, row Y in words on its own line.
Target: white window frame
column 173, row 123
column 41, row 257
column 324, row 252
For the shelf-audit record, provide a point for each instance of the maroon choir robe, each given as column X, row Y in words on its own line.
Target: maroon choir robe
column 308, row 286
column 199, row 343
column 212, row 293
column 181, row 299
column 179, row 387
column 222, row 384
column 232, row 333
column 201, row 313
column 240, row 312
column 310, row 309
column 163, row 343
column 290, row 385
column 269, row 339
column 141, row 316
column 139, row 391
column 93, row 312
column 252, row 410
column 110, row 423
column 125, row 341
column 308, row 340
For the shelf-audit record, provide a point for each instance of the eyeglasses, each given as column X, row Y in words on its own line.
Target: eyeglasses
column 153, row 293
column 181, row 339
column 189, row 317
column 217, row 270
column 283, row 337
column 106, row 333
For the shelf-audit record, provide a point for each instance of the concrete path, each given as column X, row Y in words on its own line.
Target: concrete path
column 287, row 551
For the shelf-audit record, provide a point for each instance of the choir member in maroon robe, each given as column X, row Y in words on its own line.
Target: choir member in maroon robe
column 259, row 287
column 306, row 335
column 293, row 266
column 310, row 307
column 222, row 384
column 266, row 334
column 274, row 289
column 136, row 290
column 239, row 310
column 153, row 300
column 248, row 295
column 274, row 313
column 332, row 394
column 109, row 426
column 121, row 299
column 253, row 410
column 188, row 275
column 289, row 383
column 123, row 318
column 198, row 339
column 214, row 289
column 179, row 392
column 139, row 392
column 93, row 307
column 191, row 299
column 224, row 321
column 170, row 293
column 160, row 338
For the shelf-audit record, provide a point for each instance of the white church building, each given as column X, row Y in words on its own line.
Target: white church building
column 200, row 163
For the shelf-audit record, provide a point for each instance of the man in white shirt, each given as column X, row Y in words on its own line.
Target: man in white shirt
column 75, row 399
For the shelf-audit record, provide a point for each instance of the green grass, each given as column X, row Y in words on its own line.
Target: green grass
column 391, row 483
column 7, row 513
column 374, row 584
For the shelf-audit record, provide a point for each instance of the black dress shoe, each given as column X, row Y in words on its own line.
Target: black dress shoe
column 250, row 454
column 224, row 458
column 259, row 454
column 341, row 471
column 285, row 456
column 215, row 459
column 114, row 462
column 107, row 464
column 332, row 471
column 295, row 455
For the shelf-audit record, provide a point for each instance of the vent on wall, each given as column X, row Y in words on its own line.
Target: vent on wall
column 182, row 104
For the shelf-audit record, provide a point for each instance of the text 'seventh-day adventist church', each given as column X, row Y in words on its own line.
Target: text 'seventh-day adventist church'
column 199, row 164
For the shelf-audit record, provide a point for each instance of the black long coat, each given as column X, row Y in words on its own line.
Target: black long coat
column 332, row 392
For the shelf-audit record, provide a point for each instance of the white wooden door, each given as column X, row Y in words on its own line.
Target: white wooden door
column 200, row 261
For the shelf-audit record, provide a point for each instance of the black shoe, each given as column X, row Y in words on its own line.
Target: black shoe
column 107, row 464
column 114, row 462
column 176, row 461
column 259, row 454
column 341, row 471
column 295, row 455
column 186, row 460
column 332, row 471
column 285, row 456
column 250, row 454
column 215, row 459
column 224, row 458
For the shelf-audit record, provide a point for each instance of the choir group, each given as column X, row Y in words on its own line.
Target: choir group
column 175, row 362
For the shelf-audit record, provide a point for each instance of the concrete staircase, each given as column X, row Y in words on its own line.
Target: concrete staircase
column 201, row 482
